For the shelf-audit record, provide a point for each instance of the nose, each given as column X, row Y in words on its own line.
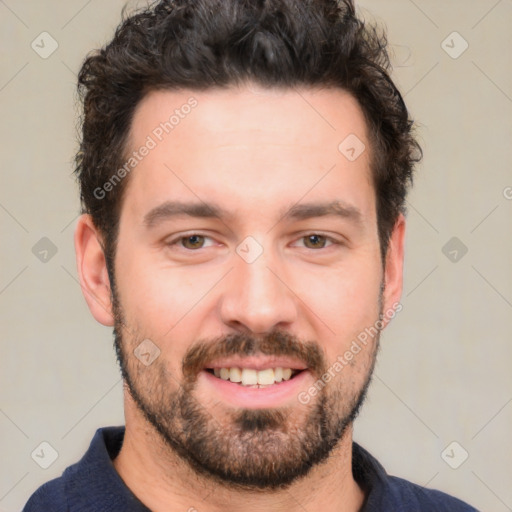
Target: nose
column 256, row 297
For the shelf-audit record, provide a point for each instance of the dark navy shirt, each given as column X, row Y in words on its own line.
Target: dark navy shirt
column 93, row 485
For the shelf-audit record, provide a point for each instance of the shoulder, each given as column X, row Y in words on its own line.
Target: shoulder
column 82, row 484
column 50, row 496
column 390, row 493
column 416, row 497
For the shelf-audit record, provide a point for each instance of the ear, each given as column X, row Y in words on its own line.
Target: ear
column 92, row 270
column 393, row 270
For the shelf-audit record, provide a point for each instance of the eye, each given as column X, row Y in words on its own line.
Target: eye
column 192, row 242
column 316, row 241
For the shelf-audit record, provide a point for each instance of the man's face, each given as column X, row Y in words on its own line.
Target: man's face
column 277, row 279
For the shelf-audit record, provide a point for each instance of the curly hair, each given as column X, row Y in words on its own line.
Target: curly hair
column 202, row 44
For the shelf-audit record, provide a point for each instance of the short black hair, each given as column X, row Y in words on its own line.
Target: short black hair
column 202, row 44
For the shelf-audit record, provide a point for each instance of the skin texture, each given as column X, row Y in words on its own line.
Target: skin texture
column 255, row 153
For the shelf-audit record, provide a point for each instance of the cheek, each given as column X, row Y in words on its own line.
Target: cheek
column 160, row 309
column 164, row 303
column 343, row 298
column 344, row 307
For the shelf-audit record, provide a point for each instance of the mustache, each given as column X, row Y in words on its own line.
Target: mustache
column 275, row 343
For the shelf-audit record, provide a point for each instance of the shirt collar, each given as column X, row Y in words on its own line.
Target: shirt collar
column 95, row 478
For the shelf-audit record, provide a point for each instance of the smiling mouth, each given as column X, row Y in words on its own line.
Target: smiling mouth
column 251, row 378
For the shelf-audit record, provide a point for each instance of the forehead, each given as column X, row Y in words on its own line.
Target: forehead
column 279, row 116
column 250, row 142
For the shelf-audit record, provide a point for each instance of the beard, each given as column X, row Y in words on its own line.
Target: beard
column 243, row 449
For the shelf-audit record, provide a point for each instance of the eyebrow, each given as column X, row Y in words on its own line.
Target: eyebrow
column 171, row 209
column 332, row 208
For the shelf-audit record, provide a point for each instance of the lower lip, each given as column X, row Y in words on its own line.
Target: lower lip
column 278, row 394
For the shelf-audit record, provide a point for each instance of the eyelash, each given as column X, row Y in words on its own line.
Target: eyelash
column 331, row 241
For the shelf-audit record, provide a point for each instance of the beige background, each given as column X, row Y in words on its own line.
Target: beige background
column 444, row 371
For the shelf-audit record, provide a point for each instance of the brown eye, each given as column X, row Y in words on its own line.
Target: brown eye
column 315, row 241
column 193, row 241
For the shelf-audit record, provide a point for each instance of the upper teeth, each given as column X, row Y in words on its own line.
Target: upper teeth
column 248, row 376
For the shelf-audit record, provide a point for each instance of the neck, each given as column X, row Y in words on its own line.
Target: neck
column 158, row 477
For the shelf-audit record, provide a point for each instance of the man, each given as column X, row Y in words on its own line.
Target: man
column 243, row 170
